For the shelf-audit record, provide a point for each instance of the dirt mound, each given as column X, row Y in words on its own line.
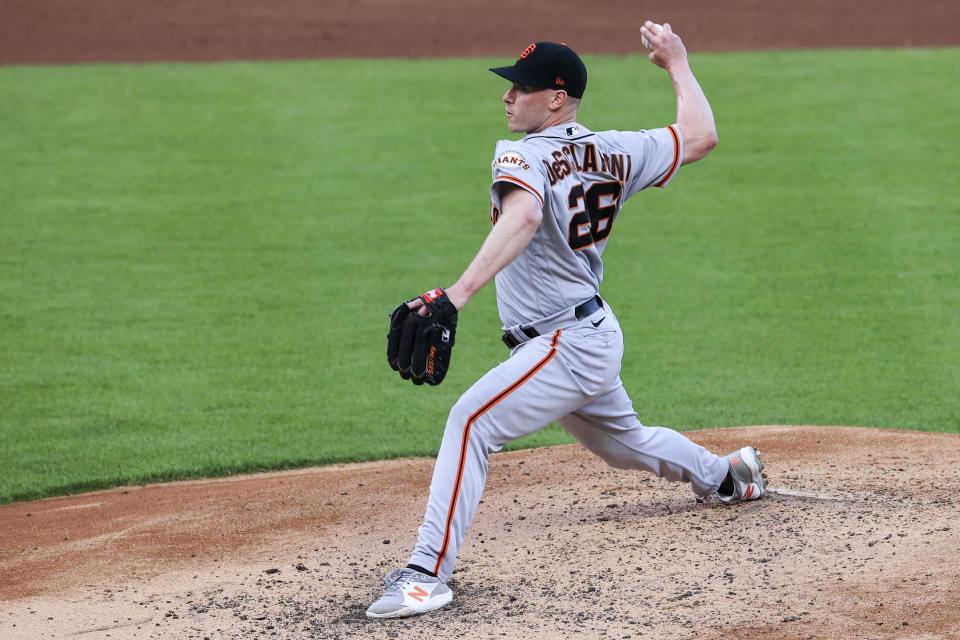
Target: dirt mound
column 858, row 541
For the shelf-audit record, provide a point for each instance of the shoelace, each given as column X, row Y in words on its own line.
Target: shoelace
column 393, row 580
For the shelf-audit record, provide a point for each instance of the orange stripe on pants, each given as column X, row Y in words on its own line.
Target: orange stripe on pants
column 466, row 438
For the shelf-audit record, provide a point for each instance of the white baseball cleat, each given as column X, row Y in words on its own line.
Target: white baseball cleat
column 409, row 593
column 746, row 470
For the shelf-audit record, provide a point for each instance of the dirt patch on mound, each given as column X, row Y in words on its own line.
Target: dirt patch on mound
column 63, row 31
column 858, row 540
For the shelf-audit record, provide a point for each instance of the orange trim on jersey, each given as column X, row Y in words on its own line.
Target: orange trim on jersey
column 522, row 184
column 466, row 437
column 676, row 157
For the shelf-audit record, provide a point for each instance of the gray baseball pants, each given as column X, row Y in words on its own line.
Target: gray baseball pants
column 571, row 376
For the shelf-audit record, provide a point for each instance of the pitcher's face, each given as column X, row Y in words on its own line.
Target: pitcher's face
column 527, row 107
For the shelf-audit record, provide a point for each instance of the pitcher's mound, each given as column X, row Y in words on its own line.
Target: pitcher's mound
column 858, row 539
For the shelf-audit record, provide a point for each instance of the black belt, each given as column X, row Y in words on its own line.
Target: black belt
column 582, row 311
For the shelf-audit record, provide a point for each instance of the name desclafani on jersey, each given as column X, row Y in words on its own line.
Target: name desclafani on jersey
column 620, row 165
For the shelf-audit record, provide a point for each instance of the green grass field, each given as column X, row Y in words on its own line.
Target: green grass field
column 197, row 261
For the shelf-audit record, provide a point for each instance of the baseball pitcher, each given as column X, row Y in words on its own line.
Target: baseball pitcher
column 555, row 196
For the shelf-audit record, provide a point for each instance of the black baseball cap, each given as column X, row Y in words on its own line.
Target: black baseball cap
column 548, row 65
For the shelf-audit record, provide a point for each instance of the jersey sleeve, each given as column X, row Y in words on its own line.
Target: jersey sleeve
column 518, row 164
column 656, row 155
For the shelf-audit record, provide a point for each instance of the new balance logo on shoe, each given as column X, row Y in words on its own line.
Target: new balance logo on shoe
column 418, row 594
column 748, row 493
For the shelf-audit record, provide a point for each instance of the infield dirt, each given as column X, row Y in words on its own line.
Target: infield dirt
column 562, row 545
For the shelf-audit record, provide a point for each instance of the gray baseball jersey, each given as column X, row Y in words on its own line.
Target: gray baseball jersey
column 582, row 179
column 570, row 372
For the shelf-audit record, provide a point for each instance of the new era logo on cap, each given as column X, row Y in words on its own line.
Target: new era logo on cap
column 548, row 65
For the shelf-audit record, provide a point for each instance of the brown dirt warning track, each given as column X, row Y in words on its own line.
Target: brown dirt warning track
column 63, row 31
column 859, row 539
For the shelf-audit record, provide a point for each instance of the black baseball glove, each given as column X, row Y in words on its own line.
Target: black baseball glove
column 419, row 346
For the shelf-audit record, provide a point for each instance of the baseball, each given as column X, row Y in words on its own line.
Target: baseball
column 656, row 29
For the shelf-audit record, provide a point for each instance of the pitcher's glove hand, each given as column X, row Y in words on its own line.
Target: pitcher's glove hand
column 419, row 346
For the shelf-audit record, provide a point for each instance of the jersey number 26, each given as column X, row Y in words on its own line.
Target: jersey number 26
column 593, row 212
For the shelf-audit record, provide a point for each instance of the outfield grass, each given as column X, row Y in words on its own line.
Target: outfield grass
column 197, row 261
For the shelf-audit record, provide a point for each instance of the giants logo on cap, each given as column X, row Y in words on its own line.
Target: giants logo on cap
column 530, row 49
